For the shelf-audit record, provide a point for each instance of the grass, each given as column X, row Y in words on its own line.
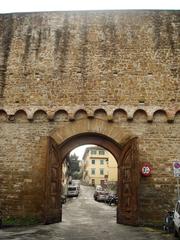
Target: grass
column 24, row 221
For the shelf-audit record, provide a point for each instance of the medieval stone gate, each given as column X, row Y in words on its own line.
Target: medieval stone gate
column 104, row 134
column 110, row 77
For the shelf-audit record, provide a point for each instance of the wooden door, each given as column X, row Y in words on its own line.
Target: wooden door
column 53, row 209
column 128, row 174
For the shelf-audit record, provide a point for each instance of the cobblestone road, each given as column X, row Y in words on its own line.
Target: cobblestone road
column 84, row 219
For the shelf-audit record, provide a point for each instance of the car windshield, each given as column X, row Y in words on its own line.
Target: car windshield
column 72, row 189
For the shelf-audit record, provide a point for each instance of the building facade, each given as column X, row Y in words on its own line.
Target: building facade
column 109, row 78
column 100, row 167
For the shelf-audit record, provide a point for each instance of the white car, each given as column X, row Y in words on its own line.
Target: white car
column 177, row 220
column 72, row 191
column 100, row 194
column 76, row 183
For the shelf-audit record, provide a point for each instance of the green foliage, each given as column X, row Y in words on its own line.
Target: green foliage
column 77, row 175
column 74, row 164
column 24, row 221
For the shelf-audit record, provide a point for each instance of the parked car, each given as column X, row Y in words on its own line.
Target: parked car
column 98, row 189
column 100, row 194
column 76, row 183
column 72, row 191
column 177, row 219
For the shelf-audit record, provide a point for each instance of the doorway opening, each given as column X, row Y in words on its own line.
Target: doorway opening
column 128, row 174
column 89, row 182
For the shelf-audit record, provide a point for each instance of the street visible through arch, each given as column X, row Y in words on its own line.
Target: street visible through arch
column 84, row 219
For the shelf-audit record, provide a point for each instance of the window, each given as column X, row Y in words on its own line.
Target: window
column 102, row 162
column 93, row 170
column 93, row 151
column 101, row 171
column 101, row 152
column 93, row 182
column 93, row 161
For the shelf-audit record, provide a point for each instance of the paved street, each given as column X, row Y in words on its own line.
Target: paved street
column 83, row 218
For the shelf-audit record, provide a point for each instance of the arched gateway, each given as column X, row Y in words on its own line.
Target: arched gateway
column 111, row 137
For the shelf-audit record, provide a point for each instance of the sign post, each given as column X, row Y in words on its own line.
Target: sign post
column 178, row 187
column 176, row 170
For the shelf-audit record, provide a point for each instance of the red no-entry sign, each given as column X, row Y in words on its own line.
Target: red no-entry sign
column 146, row 169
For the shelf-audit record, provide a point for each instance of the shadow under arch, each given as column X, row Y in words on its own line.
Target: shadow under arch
column 109, row 136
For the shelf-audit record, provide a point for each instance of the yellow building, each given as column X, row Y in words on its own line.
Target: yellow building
column 100, row 167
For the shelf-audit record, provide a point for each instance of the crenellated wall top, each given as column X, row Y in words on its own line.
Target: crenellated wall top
column 109, row 113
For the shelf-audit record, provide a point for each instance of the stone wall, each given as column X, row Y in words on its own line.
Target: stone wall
column 23, row 154
column 118, row 66
column 78, row 58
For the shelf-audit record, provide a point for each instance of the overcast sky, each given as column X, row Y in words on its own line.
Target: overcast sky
column 7, row 6
column 79, row 151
